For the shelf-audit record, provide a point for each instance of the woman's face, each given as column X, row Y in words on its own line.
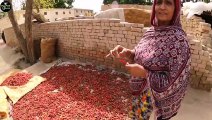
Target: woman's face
column 164, row 10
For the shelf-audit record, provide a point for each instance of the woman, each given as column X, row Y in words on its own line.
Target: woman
column 162, row 59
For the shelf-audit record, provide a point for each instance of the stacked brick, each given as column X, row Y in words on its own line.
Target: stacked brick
column 200, row 39
column 91, row 39
column 106, row 7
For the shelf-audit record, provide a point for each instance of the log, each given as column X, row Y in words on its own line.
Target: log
column 39, row 17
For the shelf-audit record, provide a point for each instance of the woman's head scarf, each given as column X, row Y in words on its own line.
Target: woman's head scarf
column 176, row 17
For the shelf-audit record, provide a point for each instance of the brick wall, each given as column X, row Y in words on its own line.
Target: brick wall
column 109, row 6
column 200, row 30
column 200, row 38
column 90, row 40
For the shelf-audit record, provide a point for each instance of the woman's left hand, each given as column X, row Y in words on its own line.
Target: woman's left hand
column 136, row 70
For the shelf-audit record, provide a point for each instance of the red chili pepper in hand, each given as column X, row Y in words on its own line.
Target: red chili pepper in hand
column 123, row 61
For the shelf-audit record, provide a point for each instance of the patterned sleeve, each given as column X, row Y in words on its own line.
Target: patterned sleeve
column 177, row 54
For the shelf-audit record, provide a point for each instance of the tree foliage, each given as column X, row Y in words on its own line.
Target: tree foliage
column 69, row 2
column 60, row 4
column 45, row 4
column 107, row 1
column 63, row 3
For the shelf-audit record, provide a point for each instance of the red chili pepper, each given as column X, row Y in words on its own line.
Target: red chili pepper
column 123, row 61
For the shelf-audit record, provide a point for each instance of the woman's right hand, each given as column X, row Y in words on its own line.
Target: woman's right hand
column 121, row 52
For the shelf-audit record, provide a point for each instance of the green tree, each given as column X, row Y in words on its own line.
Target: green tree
column 60, row 4
column 63, row 3
column 46, row 3
column 121, row 1
column 142, row 2
column 40, row 4
column 69, row 2
column 149, row 2
column 206, row 1
column 107, row 2
column 135, row 1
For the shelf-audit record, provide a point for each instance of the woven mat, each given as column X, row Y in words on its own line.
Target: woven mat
column 15, row 93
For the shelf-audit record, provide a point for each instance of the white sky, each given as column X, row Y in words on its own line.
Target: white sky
column 88, row 4
column 85, row 4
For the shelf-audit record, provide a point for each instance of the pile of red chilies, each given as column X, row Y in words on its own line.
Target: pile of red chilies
column 71, row 93
column 18, row 79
